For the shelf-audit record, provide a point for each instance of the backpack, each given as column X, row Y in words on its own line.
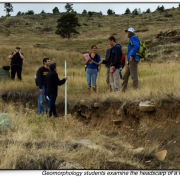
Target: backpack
column 96, row 56
column 142, row 48
column 123, row 58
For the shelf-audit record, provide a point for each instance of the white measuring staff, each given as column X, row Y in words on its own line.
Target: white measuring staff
column 65, row 92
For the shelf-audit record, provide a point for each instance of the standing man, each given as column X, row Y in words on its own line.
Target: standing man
column 41, row 83
column 115, row 57
column 16, row 63
column 133, row 59
column 53, row 82
column 108, row 55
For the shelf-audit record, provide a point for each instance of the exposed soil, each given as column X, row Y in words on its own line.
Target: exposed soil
column 114, row 118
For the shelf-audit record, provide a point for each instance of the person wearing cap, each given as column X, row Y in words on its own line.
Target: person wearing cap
column 16, row 63
column 41, row 83
column 133, row 59
column 53, row 82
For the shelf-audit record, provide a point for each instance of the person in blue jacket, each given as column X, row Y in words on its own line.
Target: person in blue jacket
column 133, row 59
column 92, row 67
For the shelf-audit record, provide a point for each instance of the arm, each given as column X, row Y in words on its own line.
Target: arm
column 118, row 55
column 58, row 81
column 135, row 42
column 39, row 77
column 97, row 63
column 21, row 55
column 11, row 56
column 87, row 62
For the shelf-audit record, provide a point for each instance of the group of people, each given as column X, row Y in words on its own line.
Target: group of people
column 47, row 79
column 113, row 65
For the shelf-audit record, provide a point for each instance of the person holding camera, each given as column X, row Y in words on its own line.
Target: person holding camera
column 16, row 63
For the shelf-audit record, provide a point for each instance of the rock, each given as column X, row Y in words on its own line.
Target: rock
column 87, row 143
column 138, row 150
column 161, row 155
column 85, row 103
column 70, row 165
column 97, row 105
column 5, row 121
column 146, row 106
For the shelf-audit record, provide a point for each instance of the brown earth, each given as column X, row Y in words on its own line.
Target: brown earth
column 159, row 127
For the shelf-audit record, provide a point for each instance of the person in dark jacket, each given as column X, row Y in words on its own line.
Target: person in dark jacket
column 53, row 82
column 115, row 57
column 41, row 83
column 16, row 63
column 108, row 55
column 133, row 60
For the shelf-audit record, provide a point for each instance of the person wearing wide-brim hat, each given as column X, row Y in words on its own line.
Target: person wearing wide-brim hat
column 133, row 59
column 16, row 63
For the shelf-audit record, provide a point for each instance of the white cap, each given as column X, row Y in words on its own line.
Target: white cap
column 130, row 30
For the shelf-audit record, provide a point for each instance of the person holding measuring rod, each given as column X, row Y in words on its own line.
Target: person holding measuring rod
column 52, row 82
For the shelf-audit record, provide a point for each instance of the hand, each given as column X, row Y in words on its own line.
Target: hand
column 65, row 78
column 19, row 52
column 41, row 91
column 14, row 53
column 131, row 58
column 100, row 62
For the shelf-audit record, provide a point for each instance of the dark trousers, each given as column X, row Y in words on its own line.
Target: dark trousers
column 52, row 106
column 14, row 69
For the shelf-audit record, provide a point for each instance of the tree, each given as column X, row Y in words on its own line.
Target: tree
column 67, row 25
column 55, row 10
column 84, row 12
column 139, row 11
column 135, row 12
column 127, row 11
column 8, row 8
column 19, row 13
column 69, row 8
column 30, row 12
column 42, row 12
column 161, row 9
column 148, row 11
column 110, row 12
column 90, row 13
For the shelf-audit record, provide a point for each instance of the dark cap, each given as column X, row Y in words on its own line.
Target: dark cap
column 52, row 66
column 18, row 47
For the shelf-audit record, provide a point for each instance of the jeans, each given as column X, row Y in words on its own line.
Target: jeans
column 52, row 106
column 16, row 69
column 91, row 73
column 41, row 99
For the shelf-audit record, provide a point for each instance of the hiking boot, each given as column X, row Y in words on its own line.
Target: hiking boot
column 94, row 88
column 89, row 87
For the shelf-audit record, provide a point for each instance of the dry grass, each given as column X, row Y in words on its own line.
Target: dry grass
column 30, row 128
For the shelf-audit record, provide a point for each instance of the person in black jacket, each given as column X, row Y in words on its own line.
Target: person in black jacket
column 115, row 57
column 53, row 82
column 41, row 83
column 16, row 63
column 108, row 55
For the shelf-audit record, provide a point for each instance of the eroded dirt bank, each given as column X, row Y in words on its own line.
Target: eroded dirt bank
column 157, row 127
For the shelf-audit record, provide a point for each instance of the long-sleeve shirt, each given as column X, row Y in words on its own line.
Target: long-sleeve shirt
column 133, row 47
column 41, row 76
column 53, row 82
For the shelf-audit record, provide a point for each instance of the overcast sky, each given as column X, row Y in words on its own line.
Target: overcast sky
column 119, row 8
